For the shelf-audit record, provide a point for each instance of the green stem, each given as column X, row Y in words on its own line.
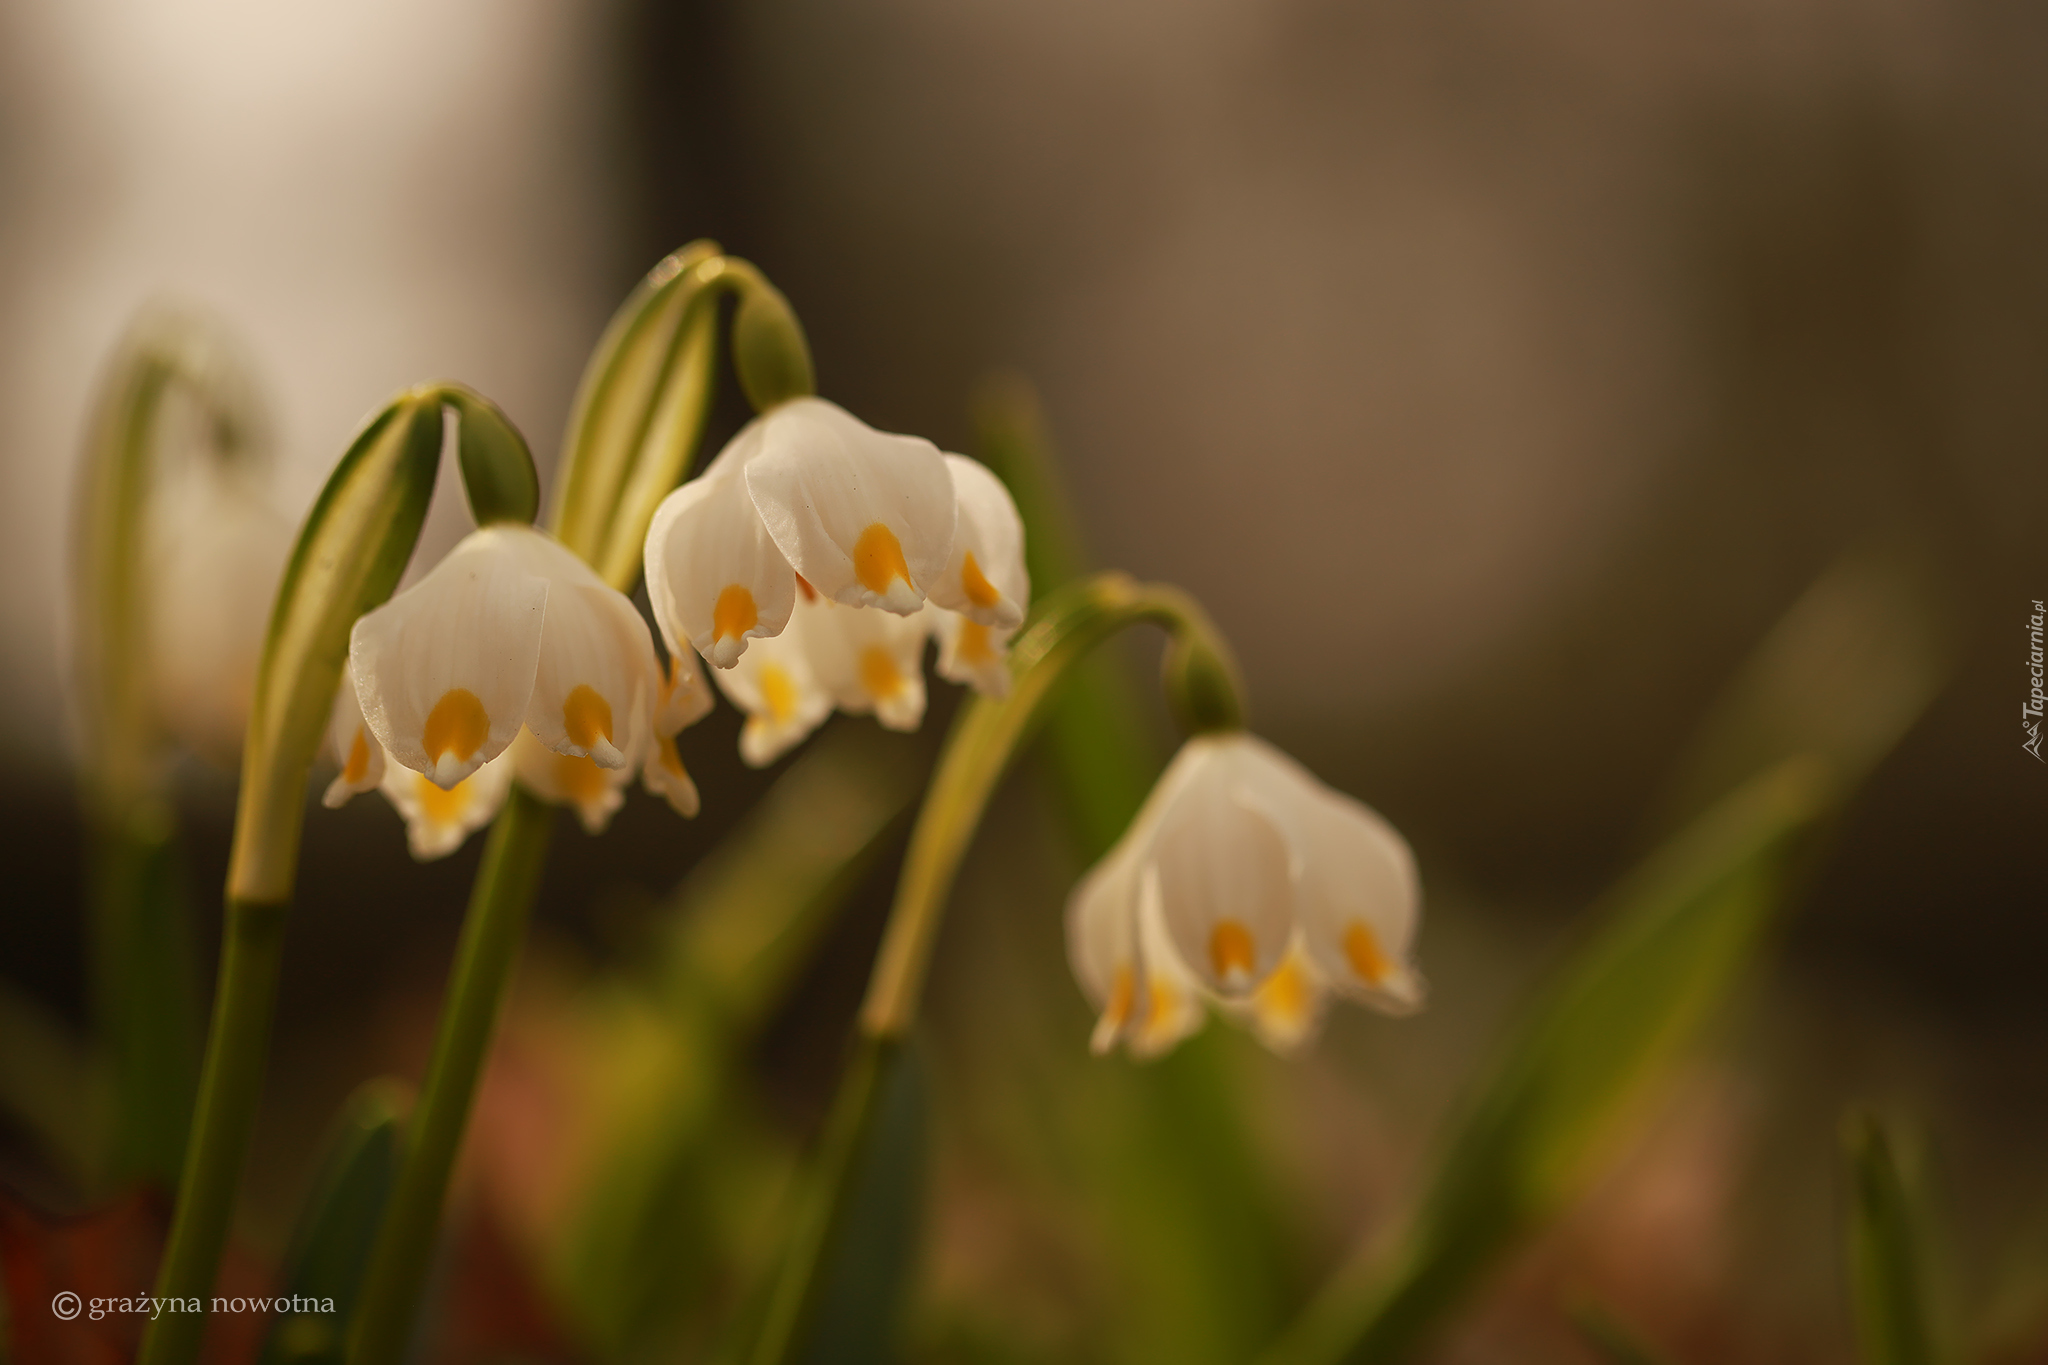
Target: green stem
column 228, row 1089
column 984, row 740
column 491, row 934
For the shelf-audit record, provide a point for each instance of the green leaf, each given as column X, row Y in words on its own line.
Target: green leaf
column 347, row 560
column 497, row 468
column 1887, row 1267
column 1676, row 934
column 330, row 1247
column 688, row 1170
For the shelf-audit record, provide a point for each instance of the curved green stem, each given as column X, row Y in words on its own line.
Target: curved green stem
column 491, row 934
column 348, row 558
column 984, row 740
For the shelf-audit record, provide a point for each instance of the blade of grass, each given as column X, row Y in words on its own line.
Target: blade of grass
column 1887, row 1268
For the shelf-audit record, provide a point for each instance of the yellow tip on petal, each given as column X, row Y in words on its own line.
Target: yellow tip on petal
column 667, row 755
column 973, row 647
column 1285, row 997
column 587, row 717
column 579, row 779
column 457, row 725
column 1231, row 952
column 878, row 559
column 879, row 674
column 358, row 765
column 1364, row 954
column 975, row 584
column 778, row 692
column 734, row 614
column 1163, row 1001
column 438, row 806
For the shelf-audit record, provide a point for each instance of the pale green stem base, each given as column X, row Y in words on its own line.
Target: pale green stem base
column 491, row 935
column 228, row 1088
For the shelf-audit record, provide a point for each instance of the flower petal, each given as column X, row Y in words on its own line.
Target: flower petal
column 684, row 697
column 776, row 684
column 1360, row 898
column 869, row 660
column 437, row 821
column 596, row 673
column 1225, row 873
column 352, row 747
column 445, row 669
column 972, row 653
column 1170, row 996
column 985, row 577
column 570, row 780
column 1102, row 943
column 714, row 575
column 865, row 516
column 664, row 775
column 1286, row 1011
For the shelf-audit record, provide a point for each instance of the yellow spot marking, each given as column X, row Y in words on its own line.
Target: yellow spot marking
column 979, row 590
column 1164, row 1000
column 668, row 756
column 456, row 725
column 1230, row 949
column 442, row 807
column 803, row 585
column 581, row 780
column 974, row 646
column 1285, row 995
column 586, row 716
column 1122, row 991
column 734, row 614
column 778, row 693
column 1363, row 952
column 878, row 559
column 879, row 674
column 358, row 765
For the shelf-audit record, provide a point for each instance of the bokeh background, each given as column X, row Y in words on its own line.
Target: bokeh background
column 1497, row 374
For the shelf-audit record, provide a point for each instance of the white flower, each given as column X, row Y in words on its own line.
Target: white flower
column 216, row 551
column 1247, row 882
column 814, row 557
column 806, row 488
column 352, row 747
column 510, row 629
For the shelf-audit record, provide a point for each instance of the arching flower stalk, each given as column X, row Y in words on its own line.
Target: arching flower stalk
column 1240, row 878
column 347, row 559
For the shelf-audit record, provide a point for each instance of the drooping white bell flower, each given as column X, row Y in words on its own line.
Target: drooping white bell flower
column 777, row 685
column 510, row 629
column 865, row 517
column 1243, row 881
column 216, row 550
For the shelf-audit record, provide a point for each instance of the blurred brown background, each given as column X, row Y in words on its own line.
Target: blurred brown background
column 1497, row 374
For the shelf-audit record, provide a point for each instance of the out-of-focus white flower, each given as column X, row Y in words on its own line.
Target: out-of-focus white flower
column 510, row 629
column 437, row 820
column 1246, row 882
column 814, row 557
column 217, row 549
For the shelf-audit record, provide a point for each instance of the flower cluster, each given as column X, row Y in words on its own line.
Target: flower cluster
column 814, row 557
column 1246, row 882
column 510, row 659
column 810, row 562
